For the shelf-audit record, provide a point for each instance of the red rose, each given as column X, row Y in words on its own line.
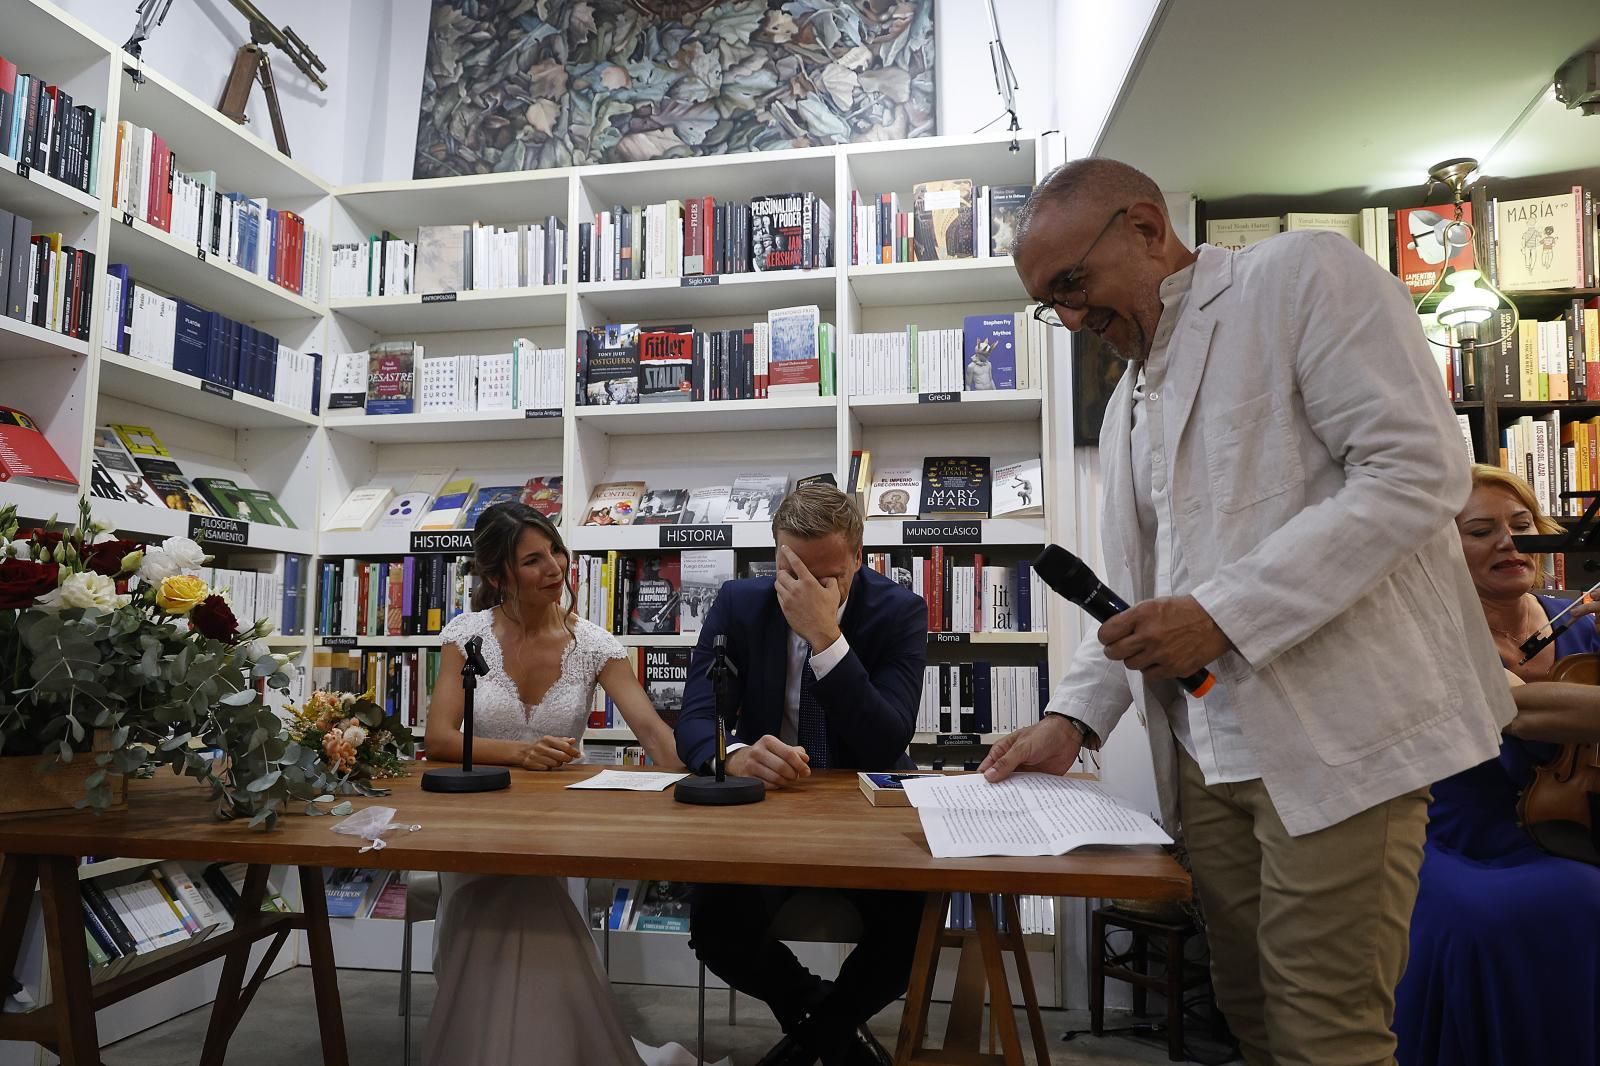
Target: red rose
column 214, row 619
column 50, row 537
column 22, row 582
column 106, row 557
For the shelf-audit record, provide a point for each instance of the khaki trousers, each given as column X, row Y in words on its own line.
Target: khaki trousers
column 1308, row 934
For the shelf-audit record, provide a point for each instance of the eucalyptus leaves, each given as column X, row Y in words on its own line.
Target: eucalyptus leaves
column 99, row 634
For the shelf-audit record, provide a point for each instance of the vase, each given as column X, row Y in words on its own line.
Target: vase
column 37, row 784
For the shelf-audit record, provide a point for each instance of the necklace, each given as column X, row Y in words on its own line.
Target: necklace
column 1509, row 635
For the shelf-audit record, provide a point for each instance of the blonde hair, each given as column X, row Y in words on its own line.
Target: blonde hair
column 1485, row 476
column 813, row 511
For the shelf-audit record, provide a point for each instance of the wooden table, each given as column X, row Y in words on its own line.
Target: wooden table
column 822, row 834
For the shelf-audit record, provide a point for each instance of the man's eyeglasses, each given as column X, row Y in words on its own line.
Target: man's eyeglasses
column 1072, row 294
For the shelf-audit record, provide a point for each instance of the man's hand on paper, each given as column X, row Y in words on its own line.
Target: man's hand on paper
column 772, row 761
column 1050, row 746
column 1168, row 637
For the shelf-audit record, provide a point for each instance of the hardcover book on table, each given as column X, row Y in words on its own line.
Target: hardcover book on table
column 943, row 220
column 614, row 503
column 955, row 486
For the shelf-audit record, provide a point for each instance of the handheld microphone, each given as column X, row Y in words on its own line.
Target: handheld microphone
column 1072, row 579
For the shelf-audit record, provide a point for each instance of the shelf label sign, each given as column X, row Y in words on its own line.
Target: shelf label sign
column 23, row 170
column 200, row 253
column 948, row 638
column 938, row 397
column 941, row 532
column 438, row 297
column 204, row 528
column 337, row 642
column 127, row 218
column 542, row 412
column 698, row 281
column 216, row 390
column 696, row 536
column 958, row 740
column 441, row 542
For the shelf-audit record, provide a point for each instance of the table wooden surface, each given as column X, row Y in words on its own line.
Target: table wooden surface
column 822, row 833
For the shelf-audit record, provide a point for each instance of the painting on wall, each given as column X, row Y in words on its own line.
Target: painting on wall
column 527, row 84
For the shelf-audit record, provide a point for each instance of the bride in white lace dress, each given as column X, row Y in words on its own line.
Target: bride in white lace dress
column 519, row 978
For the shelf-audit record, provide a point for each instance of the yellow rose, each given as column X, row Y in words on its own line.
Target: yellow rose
column 179, row 594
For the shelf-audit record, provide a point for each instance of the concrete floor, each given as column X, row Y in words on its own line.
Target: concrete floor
column 280, row 1027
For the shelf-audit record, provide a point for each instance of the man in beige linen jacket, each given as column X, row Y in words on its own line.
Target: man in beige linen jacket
column 1281, row 470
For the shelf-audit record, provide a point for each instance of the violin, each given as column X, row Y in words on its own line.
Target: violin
column 1560, row 809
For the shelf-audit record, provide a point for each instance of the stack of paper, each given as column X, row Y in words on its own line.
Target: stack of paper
column 1026, row 814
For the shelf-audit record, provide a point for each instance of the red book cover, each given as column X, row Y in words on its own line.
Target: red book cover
column 1419, row 253
column 363, row 590
column 694, row 261
column 152, row 198
column 297, row 253
column 24, row 451
column 708, row 236
column 656, row 583
column 936, row 601
column 8, row 85
column 392, row 624
column 169, row 166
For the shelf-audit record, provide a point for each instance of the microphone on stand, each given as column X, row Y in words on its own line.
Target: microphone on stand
column 720, row 790
column 1072, row 579
column 466, row 777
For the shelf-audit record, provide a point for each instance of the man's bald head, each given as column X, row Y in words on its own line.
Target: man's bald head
column 1091, row 183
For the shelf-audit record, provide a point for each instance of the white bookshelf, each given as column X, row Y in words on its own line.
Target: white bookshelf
column 312, row 461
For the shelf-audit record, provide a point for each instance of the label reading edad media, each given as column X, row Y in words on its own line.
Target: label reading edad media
column 441, row 542
column 941, row 533
column 696, row 536
column 207, row 529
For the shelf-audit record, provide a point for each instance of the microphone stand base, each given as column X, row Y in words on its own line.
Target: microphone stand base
column 729, row 792
column 455, row 779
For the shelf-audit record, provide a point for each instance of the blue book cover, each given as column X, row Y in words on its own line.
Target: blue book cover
column 230, row 356
column 989, row 353
column 191, row 340
column 1022, row 596
column 272, row 242
column 269, row 365
column 219, row 340
column 121, row 273
column 346, row 889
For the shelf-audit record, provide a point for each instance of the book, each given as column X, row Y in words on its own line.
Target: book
column 955, row 486
column 1421, row 256
column 141, row 440
column 441, row 258
column 824, row 478
column 611, row 367
column 943, row 224
column 392, row 378
column 543, row 494
column 485, row 498
column 226, row 497
column 965, row 816
column 168, row 482
column 264, row 507
column 449, row 505
column 347, row 890
column 794, row 367
column 780, row 238
column 654, row 609
column 665, row 356
column 896, row 492
column 1237, row 234
column 25, row 452
column 347, row 384
column 403, row 511
column 663, row 907
column 359, row 508
column 1540, row 242
column 701, row 575
column 661, row 507
column 1005, row 205
column 112, row 460
column 614, row 503
column 1018, row 490
column 754, row 497
column 989, row 352
column 1347, row 224
column 887, row 790
column 705, row 505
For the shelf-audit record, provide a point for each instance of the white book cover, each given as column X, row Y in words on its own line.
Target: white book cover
column 1237, row 234
column 705, row 506
column 998, row 615
column 495, row 392
column 754, row 497
column 405, row 510
column 701, row 576
column 347, row 383
column 359, row 508
column 438, row 392
column 1018, row 490
column 1347, row 224
column 896, row 492
column 1540, row 243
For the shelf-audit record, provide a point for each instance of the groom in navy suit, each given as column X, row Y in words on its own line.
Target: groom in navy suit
column 830, row 657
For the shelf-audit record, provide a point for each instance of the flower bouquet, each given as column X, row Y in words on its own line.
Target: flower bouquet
column 106, row 636
column 360, row 742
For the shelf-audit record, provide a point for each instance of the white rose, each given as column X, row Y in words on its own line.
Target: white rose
column 21, row 550
column 257, row 649
column 186, row 553
column 158, row 565
column 355, row 735
column 83, row 590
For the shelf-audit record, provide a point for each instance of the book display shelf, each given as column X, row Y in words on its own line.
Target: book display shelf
column 311, row 457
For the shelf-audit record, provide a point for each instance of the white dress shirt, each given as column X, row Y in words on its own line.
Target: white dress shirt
column 1210, row 731
column 821, row 663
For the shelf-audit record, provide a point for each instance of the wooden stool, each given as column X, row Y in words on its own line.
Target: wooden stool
column 1171, row 983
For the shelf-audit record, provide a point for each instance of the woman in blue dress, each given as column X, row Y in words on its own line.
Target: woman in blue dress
column 1505, row 937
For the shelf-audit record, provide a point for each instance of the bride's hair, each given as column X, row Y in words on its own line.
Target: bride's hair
column 494, row 551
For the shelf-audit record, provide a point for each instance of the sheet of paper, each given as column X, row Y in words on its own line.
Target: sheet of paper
column 1027, row 814
column 630, row 781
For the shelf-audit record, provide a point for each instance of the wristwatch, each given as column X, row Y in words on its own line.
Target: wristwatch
column 1090, row 740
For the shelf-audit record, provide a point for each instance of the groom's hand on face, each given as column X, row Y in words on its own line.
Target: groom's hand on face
column 809, row 606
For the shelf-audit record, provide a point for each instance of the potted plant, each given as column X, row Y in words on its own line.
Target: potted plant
column 106, row 638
